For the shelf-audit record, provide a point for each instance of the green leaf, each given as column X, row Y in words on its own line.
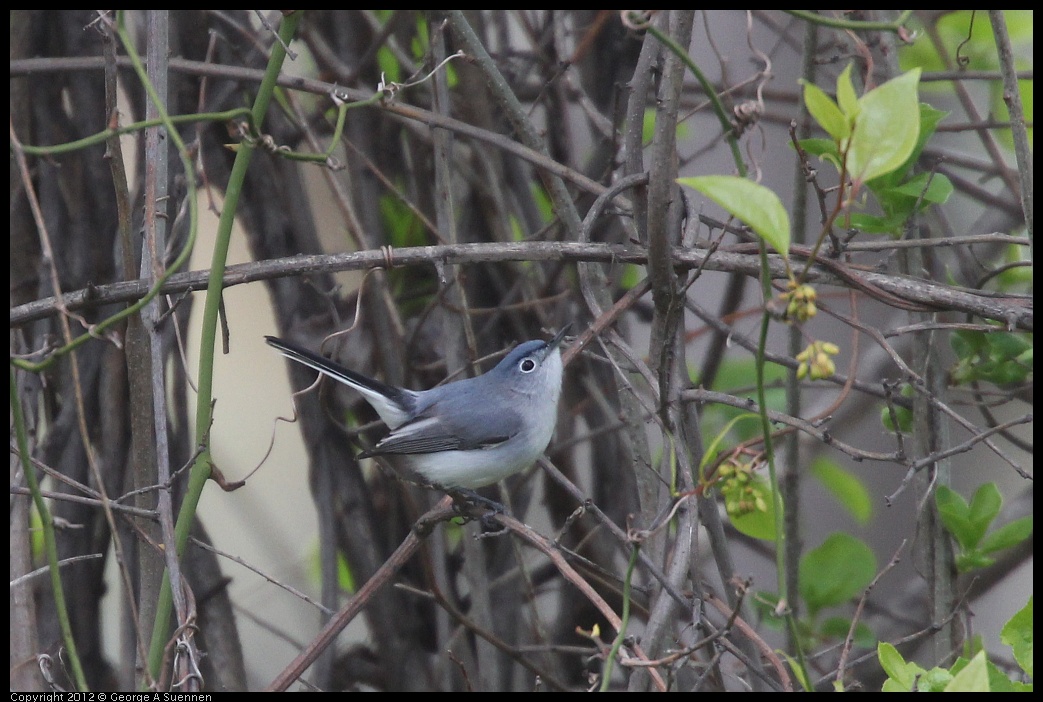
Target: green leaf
column 1013, row 372
column 934, row 680
column 345, row 576
column 825, row 149
column 1017, row 633
column 735, row 377
column 871, row 224
column 632, row 275
column 847, row 98
column 798, row 672
column 892, row 685
column 517, row 234
column 711, row 451
column 902, row 674
column 902, row 414
column 1016, row 276
column 884, row 136
column 756, row 524
column 543, row 202
column 985, row 505
column 1006, row 536
column 648, row 126
column 846, row 487
column 1008, row 345
column 955, row 515
column 999, row 682
column 950, row 501
column 838, row 627
column 973, row 678
column 904, row 417
column 929, row 119
column 836, row 571
column 973, row 560
column 388, row 64
column 401, row 223
column 999, row 357
column 966, row 342
column 934, row 190
column 757, row 206
column 820, row 147
column 826, row 112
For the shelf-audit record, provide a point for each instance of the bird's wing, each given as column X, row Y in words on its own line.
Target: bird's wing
column 430, row 432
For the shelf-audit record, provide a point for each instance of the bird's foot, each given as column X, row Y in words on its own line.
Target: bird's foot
column 465, row 500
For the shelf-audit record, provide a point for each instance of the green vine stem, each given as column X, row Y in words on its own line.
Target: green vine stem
column 201, row 469
column 50, row 545
column 780, row 534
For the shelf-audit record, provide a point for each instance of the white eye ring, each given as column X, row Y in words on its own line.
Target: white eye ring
column 527, row 365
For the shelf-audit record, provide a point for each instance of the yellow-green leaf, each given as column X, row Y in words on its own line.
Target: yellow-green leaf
column 846, row 487
column 886, row 129
column 755, row 205
column 847, row 98
column 825, row 111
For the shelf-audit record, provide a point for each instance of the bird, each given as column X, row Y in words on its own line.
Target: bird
column 466, row 434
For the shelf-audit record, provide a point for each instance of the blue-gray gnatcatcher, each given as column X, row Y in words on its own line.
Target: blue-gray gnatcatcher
column 466, row 434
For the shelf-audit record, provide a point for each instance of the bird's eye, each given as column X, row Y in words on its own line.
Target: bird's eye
column 527, row 365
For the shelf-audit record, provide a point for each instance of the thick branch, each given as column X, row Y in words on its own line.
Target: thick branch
column 1014, row 311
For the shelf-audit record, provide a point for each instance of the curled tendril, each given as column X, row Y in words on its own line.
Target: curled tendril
column 390, row 88
column 637, row 20
column 747, row 114
column 338, row 96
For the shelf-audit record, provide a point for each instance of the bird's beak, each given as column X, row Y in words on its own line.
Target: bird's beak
column 559, row 337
